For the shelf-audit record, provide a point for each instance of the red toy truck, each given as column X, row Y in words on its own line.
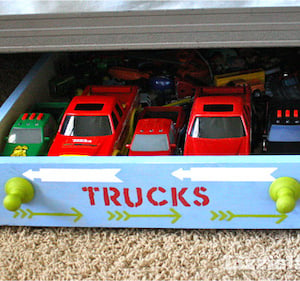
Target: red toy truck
column 157, row 131
column 155, row 136
column 220, row 122
column 96, row 123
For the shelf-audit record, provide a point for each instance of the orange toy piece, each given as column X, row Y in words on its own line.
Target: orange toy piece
column 192, row 65
column 124, row 73
column 193, row 72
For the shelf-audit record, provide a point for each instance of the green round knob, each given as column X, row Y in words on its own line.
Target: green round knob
column 18, row 190
column 285, row 191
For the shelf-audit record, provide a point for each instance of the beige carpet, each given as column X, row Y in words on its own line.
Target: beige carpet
column 133, row 254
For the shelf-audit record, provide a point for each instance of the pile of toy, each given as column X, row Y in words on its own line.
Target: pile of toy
column 166, row 102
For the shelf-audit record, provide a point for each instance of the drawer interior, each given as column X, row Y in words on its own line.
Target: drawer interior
column 171, row 77
column 225, row 191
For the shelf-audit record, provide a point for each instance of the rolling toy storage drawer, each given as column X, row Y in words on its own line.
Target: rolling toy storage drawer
column 245, row 185
column 124, row 191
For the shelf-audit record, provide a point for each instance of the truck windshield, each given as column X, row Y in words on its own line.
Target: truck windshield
column 86, row 126
column 218, row 127
column 150, row 143
column 21, row 135
column 284, row 133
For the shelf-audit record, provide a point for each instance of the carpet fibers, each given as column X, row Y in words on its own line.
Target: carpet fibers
column 133, row 254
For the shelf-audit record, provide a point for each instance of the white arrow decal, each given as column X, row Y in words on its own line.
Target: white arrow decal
column 226, row 174
column 74, row 175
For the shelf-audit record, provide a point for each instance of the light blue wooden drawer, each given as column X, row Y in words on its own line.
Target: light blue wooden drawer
column 150, row 192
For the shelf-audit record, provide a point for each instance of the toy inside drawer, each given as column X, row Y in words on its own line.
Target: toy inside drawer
column 154, row 139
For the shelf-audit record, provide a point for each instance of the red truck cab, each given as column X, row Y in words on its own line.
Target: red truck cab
column 158, row 131
column 96, row 123
column 220, row 122
column 153, row 136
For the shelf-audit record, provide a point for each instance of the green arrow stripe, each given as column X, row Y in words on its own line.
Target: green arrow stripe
column 126, row 216
column 23, row 214
column 281, row 216
column 215, row 215
column 111, row 215
column 228, row 216
column 223, row 216
column 16, row 214
column 30, row 214
column 120, row 215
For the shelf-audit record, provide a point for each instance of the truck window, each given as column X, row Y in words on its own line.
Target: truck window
column 119, row 110
column 218, row 107
column 150, row 143
column 217, row 127
column 86, row 126
column 89, row 106
column 172, row 134
column 20, row 135
column 284, row 133
column 114, row 119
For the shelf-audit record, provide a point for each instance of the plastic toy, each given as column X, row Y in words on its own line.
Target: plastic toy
column 124, row 73
column 145, row 99
column 254, row 78
column 229, row 60
column 162, row 87
column 31, row 135
column 192, row 65
column 184, row 89
column 285, row 86
column 33, row 132
column 163, row 127
column 155, row 136
column 282, row 133
column 175, row 113
column 96, row 123
column 161, row 83
column 220, row 122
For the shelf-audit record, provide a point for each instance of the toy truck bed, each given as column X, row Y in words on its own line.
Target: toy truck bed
column 175, row 113
column 56, row 109
column 126, row 95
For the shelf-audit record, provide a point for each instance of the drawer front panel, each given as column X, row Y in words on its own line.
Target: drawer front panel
column 155, row 192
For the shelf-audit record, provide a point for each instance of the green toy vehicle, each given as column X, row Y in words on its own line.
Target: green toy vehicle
column 33, row 132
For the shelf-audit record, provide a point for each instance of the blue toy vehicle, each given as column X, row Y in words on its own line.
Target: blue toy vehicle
column 282, row 135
